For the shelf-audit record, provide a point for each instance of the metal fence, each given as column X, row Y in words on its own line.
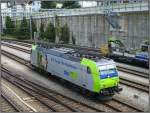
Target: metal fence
column 126, row 7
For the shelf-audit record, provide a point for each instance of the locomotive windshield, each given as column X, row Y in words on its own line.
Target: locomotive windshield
column 108, row 72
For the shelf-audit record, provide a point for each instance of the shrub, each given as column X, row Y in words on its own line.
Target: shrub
column 24, row 32
column 65, row 34
column 50, row 32
column 9, row 26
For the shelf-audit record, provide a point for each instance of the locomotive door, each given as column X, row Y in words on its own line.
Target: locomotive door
column 84, row 77
column 42, row 60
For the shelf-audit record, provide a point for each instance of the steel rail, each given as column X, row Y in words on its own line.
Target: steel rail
column 51, row 92
column 15, row 47
column 48, row 93
column 8, row 105
column 21, row 62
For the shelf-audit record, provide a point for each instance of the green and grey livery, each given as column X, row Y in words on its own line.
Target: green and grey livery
column 97, row 75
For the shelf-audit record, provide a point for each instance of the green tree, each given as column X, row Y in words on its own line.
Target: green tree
column 17, row 29
column 50, row 32
column 42, row 31
column 9, row 25
column 24, row 29
column 48, row 4
column 71, row 4
column 57, row 29
column 65, row 33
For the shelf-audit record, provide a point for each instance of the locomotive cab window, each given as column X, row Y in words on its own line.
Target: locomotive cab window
column 88, row 70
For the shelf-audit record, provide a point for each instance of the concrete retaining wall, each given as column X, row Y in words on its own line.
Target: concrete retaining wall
column 94, row 30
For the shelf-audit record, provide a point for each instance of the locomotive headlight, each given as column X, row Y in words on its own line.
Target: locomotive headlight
column 102, row 67
column 111, row 66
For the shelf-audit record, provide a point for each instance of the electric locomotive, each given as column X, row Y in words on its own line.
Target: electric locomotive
column 98, row 75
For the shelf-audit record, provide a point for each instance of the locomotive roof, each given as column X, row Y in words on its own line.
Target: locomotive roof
column 72, row 54
column 63, row 50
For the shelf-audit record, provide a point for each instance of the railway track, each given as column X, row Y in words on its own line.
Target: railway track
column 109, row 105
column 18, row 43
column 7, row 106
column 46, row 96
column 16, row 47
column 136, row 85
column 143, row 74
column 125, row 81
column 52, row 99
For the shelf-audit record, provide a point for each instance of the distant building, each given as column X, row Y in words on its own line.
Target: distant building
column 36, row 6
column 88, row 3
column 21, row 7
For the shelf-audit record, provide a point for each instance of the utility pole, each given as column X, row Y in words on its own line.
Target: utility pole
column 31, row 28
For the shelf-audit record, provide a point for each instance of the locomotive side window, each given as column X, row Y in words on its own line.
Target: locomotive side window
column 88, row 70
